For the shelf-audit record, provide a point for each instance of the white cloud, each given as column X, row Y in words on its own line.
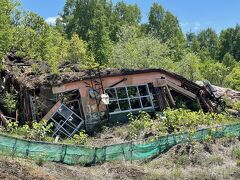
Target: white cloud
column 196, row 26
column 51, row 20
column 184, row 24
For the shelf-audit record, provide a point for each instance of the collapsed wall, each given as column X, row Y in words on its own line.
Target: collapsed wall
column 73, row 100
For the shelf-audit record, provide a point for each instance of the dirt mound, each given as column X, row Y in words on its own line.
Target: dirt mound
column 215, row 159
column 13, row 170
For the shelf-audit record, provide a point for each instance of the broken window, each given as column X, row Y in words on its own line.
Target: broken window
column 124, row 105
column 65, row 121
column 132, row 91
column 113, row 106
column 135, row 103
column 112, row 94
column 143, row 90
column 146, row 101
column 72, row 100
column 129, row 98
column 121, row 92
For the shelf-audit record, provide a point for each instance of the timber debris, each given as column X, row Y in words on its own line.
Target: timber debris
column 84, row 99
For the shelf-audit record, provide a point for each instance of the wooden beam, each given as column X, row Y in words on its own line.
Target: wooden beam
column 206, row 104
column 161, row 100
column 52, row 110
column 124, row 79
column 170, row 97
column 182, row 90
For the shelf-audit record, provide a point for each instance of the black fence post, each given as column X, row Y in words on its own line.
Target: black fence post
column 14, row 148
column 27, row 150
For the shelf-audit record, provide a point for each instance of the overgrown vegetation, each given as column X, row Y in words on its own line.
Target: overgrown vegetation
column 40, row 131
column 78, row 139
column 141, row 126
column 112, row 35
column 9, row 101
column 174, row 121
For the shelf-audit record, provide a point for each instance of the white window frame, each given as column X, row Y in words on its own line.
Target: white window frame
column 150, row 96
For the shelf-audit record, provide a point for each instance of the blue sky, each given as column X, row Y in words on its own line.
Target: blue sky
column 193, row 15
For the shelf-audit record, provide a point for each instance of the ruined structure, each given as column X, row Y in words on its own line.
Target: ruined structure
column 86, row 98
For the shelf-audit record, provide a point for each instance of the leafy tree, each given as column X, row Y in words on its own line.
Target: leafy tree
column 27, row 35
column 230, row 42
column 208, row 39
column 124, row 15
column 33, row 21
column 229, row 61
column 99, row 40
column 133, row 51
column 35, row 39
column 192, row 42
column 59, row 26
column 90, row 20
column 66, row 21
column 79, row 15
column 26, row 43
column 76, row 50
column 189, row 67
column 164, row 24
column 7, row 8
column 215, row 72
column 55, row 48
column 233, row 79
column 156, row 18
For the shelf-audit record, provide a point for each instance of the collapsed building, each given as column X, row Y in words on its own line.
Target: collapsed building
column 83, row 99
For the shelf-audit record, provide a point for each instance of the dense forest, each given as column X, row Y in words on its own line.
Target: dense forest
column 98, row 32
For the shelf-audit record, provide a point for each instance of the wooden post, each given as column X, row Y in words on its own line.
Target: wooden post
column 172, row 102
column 3, row 119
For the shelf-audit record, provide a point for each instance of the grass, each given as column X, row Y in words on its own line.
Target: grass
column 238, row 163
column 215, row 160
column 181, row 160
column 236, row 152
column 176, row 174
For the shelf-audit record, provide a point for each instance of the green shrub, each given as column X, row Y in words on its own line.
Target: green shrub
column 9, row 101
column 78, row 139
column 178, row 120
column 139, row 124
column 236, row 105
column 12, row 126
column 39, row 131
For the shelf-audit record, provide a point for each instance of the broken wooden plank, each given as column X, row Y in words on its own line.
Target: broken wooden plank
column 52, row 110
column 205, row 103
column 173, row 104
column 182, row 90
column 160, row 98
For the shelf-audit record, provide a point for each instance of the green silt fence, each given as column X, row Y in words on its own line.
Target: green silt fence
column 128, row 151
